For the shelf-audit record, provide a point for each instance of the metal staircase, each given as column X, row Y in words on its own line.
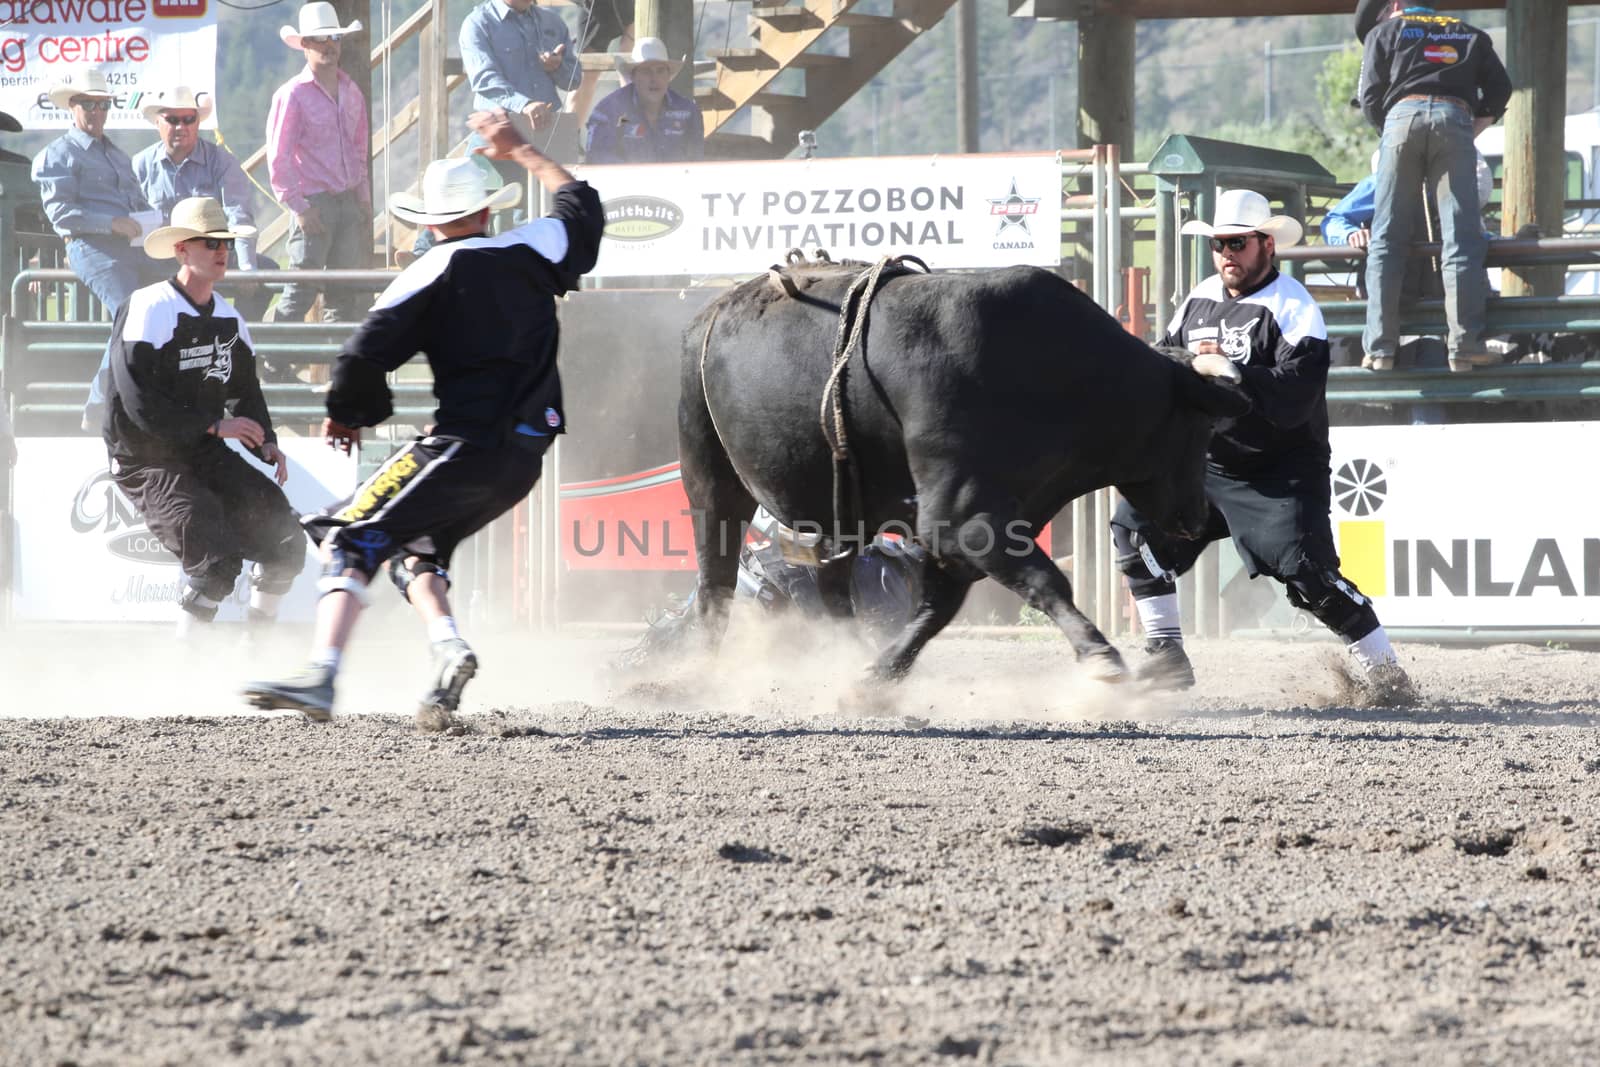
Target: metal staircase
column 835, row 45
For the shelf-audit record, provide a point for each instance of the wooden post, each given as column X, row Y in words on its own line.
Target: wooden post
column 1105, row 95
column 433, row 105
column 967, row 76
column 1105, row 81
column 1535, row 170
column 355, row 59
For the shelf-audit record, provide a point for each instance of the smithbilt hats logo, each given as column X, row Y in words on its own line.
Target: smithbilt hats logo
column 100, row 505
column 641, row 218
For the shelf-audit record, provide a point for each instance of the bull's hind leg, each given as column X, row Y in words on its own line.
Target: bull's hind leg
column 721, row 508
column 1002, row 547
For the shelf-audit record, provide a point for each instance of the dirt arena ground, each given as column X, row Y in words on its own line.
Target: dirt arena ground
column 718, row 867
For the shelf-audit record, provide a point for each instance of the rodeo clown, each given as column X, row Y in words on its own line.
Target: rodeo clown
column 180, row 356
column 1267, row 476
column 483, row 310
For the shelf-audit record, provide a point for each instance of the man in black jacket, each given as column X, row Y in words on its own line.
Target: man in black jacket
column 483, row 310
column 1267, row 477
column 179, row 355
column 1430, row 84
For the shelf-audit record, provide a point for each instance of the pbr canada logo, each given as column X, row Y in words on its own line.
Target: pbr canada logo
column 100, row 505
column 641, row 218
column 1013, row 209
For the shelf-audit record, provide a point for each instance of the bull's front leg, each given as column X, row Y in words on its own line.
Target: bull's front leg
column 944, row 590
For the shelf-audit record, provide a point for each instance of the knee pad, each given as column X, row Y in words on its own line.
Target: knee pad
column 348, row 549
column 1136, row 559
column 403, row 572
column 1335, row 601
column 274, row 576
column 194, row 602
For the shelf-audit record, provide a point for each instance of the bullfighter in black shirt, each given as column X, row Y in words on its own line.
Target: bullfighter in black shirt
column 1267, row 474
column 483, row 310
column 180, row 356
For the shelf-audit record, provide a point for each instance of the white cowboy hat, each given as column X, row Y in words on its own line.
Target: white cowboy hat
column 647, row 50
column 198, row 216
column 1246, row 211
column 316, row 20
column 90, row 83
column 177, row 98
column 451, row 189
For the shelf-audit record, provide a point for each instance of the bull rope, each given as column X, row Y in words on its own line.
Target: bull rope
column 857, row 298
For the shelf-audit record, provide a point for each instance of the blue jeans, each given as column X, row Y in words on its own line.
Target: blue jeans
column 1427, row 143
column 345, row 243
column 112, row 269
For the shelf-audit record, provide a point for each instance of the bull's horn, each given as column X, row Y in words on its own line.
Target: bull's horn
column 1213, row 365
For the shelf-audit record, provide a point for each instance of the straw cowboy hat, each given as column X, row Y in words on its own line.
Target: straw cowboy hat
column 198, row 216
column 177, row 98
column 90, row 83
column 1246, row 211
column 647, row 50
column 316, row 20
column 451, row 189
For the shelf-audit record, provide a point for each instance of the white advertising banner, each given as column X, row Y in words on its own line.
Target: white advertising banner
column 740, row 218
column 1489, row 525
column 84, row 554
column 140, row 46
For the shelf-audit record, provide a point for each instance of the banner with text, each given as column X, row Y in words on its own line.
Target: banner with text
column 84, row 554
column 140, row 45
column 740, row 218
column 1470, row 525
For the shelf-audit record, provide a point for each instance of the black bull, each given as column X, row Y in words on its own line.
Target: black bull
column 975, row 408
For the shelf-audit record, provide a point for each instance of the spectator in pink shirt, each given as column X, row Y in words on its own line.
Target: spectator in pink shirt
column 317, row 147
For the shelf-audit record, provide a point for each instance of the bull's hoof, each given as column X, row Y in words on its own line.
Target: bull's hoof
column 868, row 698
column 1107, row 667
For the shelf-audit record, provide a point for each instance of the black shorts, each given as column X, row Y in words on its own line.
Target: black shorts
column 1278, row 521
column 213, row 510
column 604, row 22
column 427, row 498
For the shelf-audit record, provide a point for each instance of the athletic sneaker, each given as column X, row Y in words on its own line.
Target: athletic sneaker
column 310, row 693
column 1391, row 686
column 1166, row 665
column 454, row 664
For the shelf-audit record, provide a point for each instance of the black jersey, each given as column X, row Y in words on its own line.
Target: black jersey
column 1421, row 52
column 1276, row 337
column 175, row 368
column 483, row 311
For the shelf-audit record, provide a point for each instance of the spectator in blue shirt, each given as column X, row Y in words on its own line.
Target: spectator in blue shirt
column 518, row 56
column 90, row 197
column 182, row 165
column 645, row 121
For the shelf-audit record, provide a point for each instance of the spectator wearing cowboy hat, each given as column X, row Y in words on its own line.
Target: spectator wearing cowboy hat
column 317, row 153
column 645, row 121
column 183, row 380
column 1429, row 84
column 1267, row 472
column 90, row 197
column 483, row 310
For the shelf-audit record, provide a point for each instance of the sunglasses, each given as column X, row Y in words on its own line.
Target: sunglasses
column 211, row 243
column 180, row 120
column 1232, row 244
column 93, row 105
column 320, row 39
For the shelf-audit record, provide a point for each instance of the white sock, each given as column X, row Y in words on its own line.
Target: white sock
column 265, row 603
column 1374, row 650
column 327, row 657
column 1159, row 617
column 442, row 629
